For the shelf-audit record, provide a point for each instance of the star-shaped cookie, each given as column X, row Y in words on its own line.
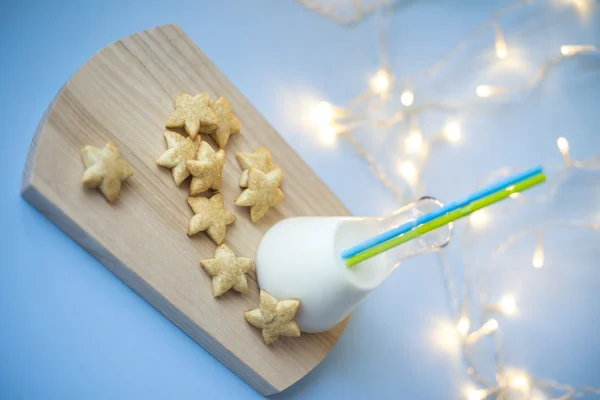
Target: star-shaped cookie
column 105, row 170
column 261, row 159
column 180, row 150
column 275, row 318
column 227, row 271
column 228, row 123
column 211, row 217
column 207, row 170
column 262, row 193
column 194, row 114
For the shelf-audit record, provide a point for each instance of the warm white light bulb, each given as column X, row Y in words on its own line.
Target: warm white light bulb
column 463, row 325
column 491, row 325
column 452, row 132
column 538, row 254
column 407, row 98
column 501, row 50
column 538, row 260
column 508, row 305
column 519, row 382
column 487, row 328
column 409, row 171
column 483, row 91
column 477, row 394
column 479, row 218
column 380, row 82
column 327, row 134
column 563, row 145
column 414, row 141
column 322, row 113
column 501, row 53
column 571, row 50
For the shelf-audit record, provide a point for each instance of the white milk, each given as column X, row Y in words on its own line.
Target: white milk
column 300, row 258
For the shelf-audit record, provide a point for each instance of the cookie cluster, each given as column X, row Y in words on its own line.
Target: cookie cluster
column 190, row 156
column 260, row 179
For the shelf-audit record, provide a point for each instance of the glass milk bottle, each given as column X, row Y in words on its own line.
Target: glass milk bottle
column 301, row 258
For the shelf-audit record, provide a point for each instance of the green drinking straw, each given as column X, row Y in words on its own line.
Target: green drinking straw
column 447, row 218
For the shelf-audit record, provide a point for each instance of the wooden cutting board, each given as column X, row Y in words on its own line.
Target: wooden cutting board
column 126, row 93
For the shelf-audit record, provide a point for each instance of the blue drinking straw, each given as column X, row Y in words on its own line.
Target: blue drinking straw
column 407, row 226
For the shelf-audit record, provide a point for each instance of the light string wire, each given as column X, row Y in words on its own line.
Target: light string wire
column 344, row 121
column 504, row 382
column 515, row 380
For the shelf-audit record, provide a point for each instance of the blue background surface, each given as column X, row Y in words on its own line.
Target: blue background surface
column 70, row 329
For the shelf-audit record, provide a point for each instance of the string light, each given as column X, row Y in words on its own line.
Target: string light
column 380, row 83
column 452, row 132
column 538, row 254
column 327, row 134
column 480, row 218
column 501, row 49
column 323, row 113
column 568, row 50
column 477, row 394
column 409, row 171
column 444, row 338
column 329, row 114
column 414, row 141
column 485, row 91
column 508, row 305
column 519, row 381
column 563, row 147
column 407, row 98
column 463, row 325
column 514, row 380
column 489, row 327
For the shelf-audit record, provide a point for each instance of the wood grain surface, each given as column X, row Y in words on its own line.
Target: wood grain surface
column 126, row 93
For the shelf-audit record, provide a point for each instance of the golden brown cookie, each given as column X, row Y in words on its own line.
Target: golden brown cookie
column 228, row 123
column 227, row 271
column 262, row 193
column 105, row 170
column 275, row 318
column 180, row 150
column 261, row 159
column 193, row 113
column 207, row 170
column 211, row 217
